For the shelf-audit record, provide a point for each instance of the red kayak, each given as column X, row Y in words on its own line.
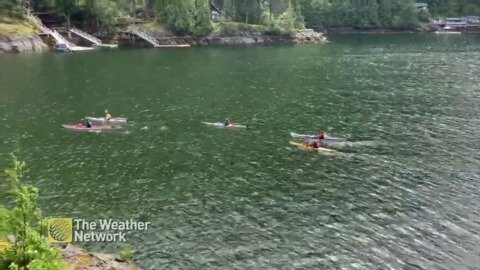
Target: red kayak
column 80, row 127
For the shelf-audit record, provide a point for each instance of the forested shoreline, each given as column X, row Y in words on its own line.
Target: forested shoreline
column 390, row 14
column 198, row 17
column 218, row 22
column 184, row 17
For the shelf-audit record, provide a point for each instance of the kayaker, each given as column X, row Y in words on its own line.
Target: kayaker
column 227, row 122
column 313, row 144
column 88, row 124
column 321, row 136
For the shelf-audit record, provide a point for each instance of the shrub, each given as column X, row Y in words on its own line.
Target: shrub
column 203, row 24
column 109, row 13
column 30, row 250
column 126, row 253
column 423, row 16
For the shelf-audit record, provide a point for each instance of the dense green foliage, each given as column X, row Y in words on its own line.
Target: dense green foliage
column 185, row 16
column 107, row 13
column 126, row 253
column 454, row 7
column 397, row 14
column 400, row 14
column 195, row 16
column 24, row 222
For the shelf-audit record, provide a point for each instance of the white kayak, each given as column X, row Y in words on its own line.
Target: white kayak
column 222, row 125
column 315, row 137
column 103, row 120
column 306, row 147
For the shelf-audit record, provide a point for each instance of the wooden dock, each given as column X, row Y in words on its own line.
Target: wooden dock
column 134, row 30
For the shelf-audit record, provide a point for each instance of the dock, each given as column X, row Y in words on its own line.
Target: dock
column 134, row 30
column 60, row 41
column 174, row 46
column 96, row 42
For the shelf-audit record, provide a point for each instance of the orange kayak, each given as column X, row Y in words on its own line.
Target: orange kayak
column 306, row 147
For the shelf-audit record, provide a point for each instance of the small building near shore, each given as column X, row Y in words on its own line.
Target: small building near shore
column 473, row 20
column 421, row 6
column 469, row 23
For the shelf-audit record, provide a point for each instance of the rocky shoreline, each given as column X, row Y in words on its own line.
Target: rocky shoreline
column 22, row 44
column 237, row 38
column 36, row 44
column 80, row 259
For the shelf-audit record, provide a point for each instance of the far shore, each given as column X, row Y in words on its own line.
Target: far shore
column 382, row 31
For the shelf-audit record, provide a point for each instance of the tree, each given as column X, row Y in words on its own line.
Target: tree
column 177, row 14
column 366, row 13
column 24, row 221
column 385, row 12
column 299, row 21
column 406, row 17
column 149, row 7
column 360, row 13
column 203, row 24
column 66, row 7
column 248, row 11
column 108, row 13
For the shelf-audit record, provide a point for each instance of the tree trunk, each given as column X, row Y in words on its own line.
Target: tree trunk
column 134, row 11
column 68, row 25
column 270, row 9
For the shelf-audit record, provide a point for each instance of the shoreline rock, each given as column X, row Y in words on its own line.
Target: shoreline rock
column 22, row 44
column 80, row 259
column 237, row 38
column 36, row 44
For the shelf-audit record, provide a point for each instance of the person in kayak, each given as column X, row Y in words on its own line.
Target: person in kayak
column 227, row 122
column 313, row 144
column 88, row 124
column 321, row 136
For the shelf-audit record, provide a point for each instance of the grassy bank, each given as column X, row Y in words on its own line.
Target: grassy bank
column 13, row 26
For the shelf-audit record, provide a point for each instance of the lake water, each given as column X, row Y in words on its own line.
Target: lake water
column 404, row 194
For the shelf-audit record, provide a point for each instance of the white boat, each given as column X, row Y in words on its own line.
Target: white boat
column 447, row 30
column 105, row 46
column 81, row 49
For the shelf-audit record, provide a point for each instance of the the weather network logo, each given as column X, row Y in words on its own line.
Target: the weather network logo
column 68, row 230
column 60, row 230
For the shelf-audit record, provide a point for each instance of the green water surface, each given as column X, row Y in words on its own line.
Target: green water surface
column 404, row 194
